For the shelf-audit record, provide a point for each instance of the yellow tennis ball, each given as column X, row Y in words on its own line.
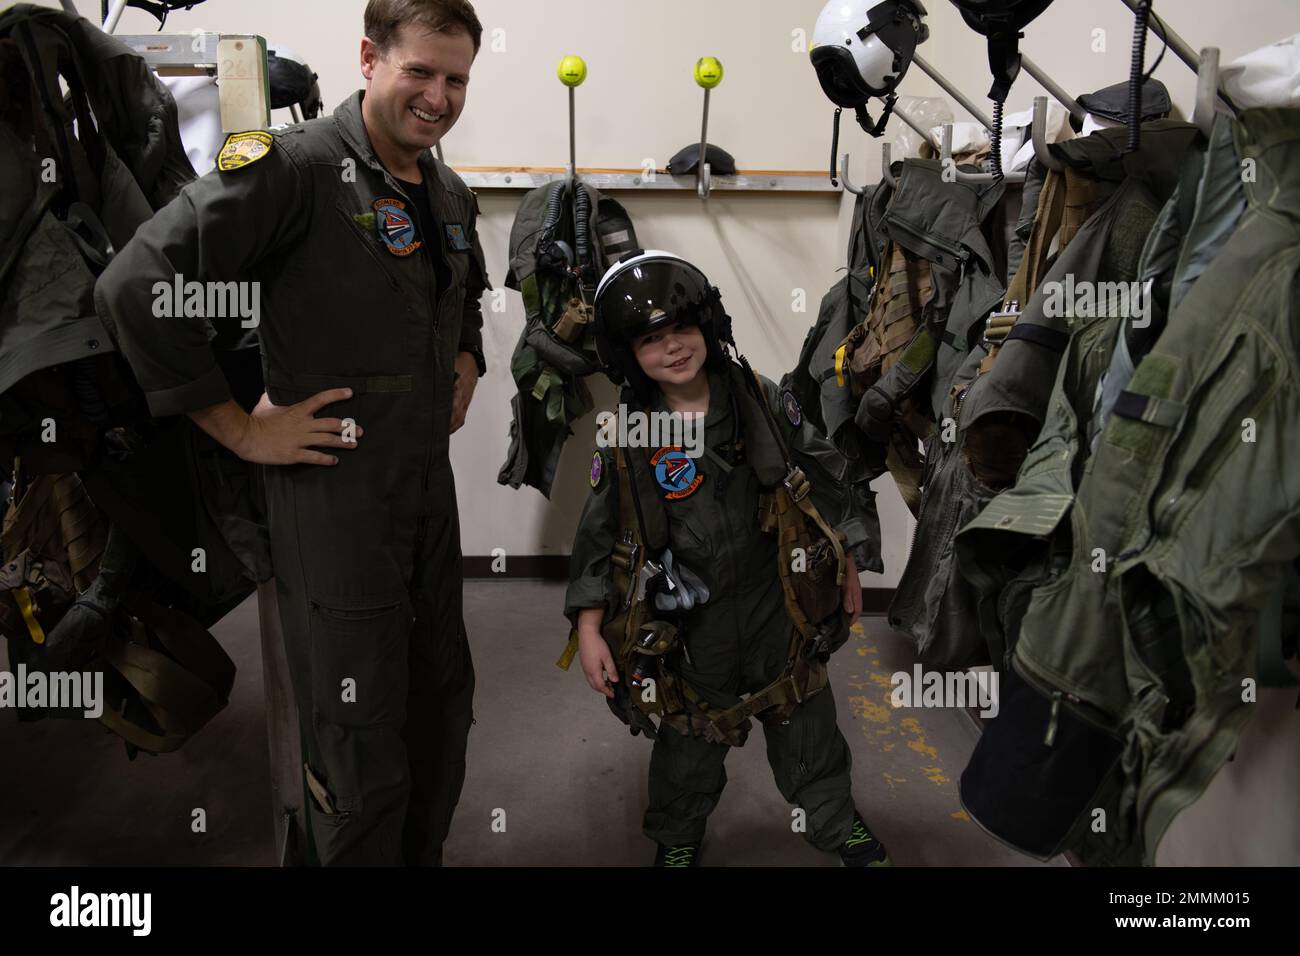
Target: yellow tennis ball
column 708, row 72
column 572, row 71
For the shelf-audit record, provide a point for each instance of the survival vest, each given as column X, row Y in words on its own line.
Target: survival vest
column 937, row 277
column 560, row 246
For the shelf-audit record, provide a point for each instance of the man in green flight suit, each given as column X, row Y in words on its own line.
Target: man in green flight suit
column 362, row 252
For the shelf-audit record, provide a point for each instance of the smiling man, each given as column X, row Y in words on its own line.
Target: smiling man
column 370, row 276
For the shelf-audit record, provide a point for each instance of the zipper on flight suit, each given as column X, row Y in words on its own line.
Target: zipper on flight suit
column 435, row 301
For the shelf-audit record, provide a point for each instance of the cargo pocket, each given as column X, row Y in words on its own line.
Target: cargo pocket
column 359, row 668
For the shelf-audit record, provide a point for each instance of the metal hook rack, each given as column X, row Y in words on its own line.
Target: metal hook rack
column 1038, row 131
column 961, row 176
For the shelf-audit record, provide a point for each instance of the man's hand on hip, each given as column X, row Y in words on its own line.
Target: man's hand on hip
column 463, row 389
column 281, row 434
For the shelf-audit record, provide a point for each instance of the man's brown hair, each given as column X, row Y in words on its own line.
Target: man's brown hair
column 385, row 17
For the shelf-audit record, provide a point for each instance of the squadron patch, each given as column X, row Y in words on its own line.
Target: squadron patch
column 456, row 237
column 597, row 469
column 793, row 413
column 243, row 149
column 395, row 226
column 676, row 472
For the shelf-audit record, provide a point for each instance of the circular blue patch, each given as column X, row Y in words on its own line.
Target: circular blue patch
column 395, row 226
column 676, row 472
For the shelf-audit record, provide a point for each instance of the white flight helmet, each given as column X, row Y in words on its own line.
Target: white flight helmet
column 862, row 50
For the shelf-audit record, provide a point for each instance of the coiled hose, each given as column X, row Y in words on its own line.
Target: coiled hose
column 995, row 147
column 581, row 230
column 1135, row 78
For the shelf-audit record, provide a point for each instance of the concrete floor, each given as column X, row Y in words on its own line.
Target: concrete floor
column 545, row 756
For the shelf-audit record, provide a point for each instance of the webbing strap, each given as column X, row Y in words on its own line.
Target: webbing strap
column 1147, row 408
column 1052, row 339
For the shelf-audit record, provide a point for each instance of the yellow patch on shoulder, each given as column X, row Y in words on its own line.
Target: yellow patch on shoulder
column 243, row 149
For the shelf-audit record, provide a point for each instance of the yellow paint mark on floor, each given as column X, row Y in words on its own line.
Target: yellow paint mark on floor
column 857, row 629
column 872, row 650
column 921, row 747
column 936, row 775
column 960, row 815
column 910, row 725
column 876, row 662
column 862, row 651
column 886, row 747
column 869, row 710
column 891, row 779
column 881, row 680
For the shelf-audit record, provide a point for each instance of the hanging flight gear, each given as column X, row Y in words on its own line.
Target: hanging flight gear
column 1166, row 629
column 561, row 244
column 72, row 417
column 994, row 416
column 292, row 82
column 165, row 676
column 936, row 279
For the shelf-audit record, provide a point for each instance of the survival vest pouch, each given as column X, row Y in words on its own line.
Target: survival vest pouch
column 165, row 676
column 994, row 447
column 561, row 243
column 876, row 345
column 812, row 596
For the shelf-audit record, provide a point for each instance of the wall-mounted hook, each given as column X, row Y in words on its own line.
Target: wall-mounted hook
column 1207, row 90
column 886, row 173
column 572, row 71
column 114, row 15
column 708, row 74
column 844, row 176
column 1038, row 130
column 961, row 176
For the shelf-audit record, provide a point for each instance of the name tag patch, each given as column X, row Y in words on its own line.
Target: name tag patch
column 456, row 237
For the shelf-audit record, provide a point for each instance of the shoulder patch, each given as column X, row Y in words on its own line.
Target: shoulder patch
column 597, row 469
column 243, row 149
column 793, row 413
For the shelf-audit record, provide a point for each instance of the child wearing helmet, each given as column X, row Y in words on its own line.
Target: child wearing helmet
column 709, row 584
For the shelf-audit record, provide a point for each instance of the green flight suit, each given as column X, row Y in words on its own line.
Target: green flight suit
column 737, row 642
column 366, row 553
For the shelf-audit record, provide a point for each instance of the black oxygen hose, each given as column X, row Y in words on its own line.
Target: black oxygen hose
column 1140, row 18
column 835, row 146
column 995, row 147
column 554, row 200
column 581, row 227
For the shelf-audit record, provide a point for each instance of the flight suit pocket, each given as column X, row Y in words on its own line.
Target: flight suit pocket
column 359, row 667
